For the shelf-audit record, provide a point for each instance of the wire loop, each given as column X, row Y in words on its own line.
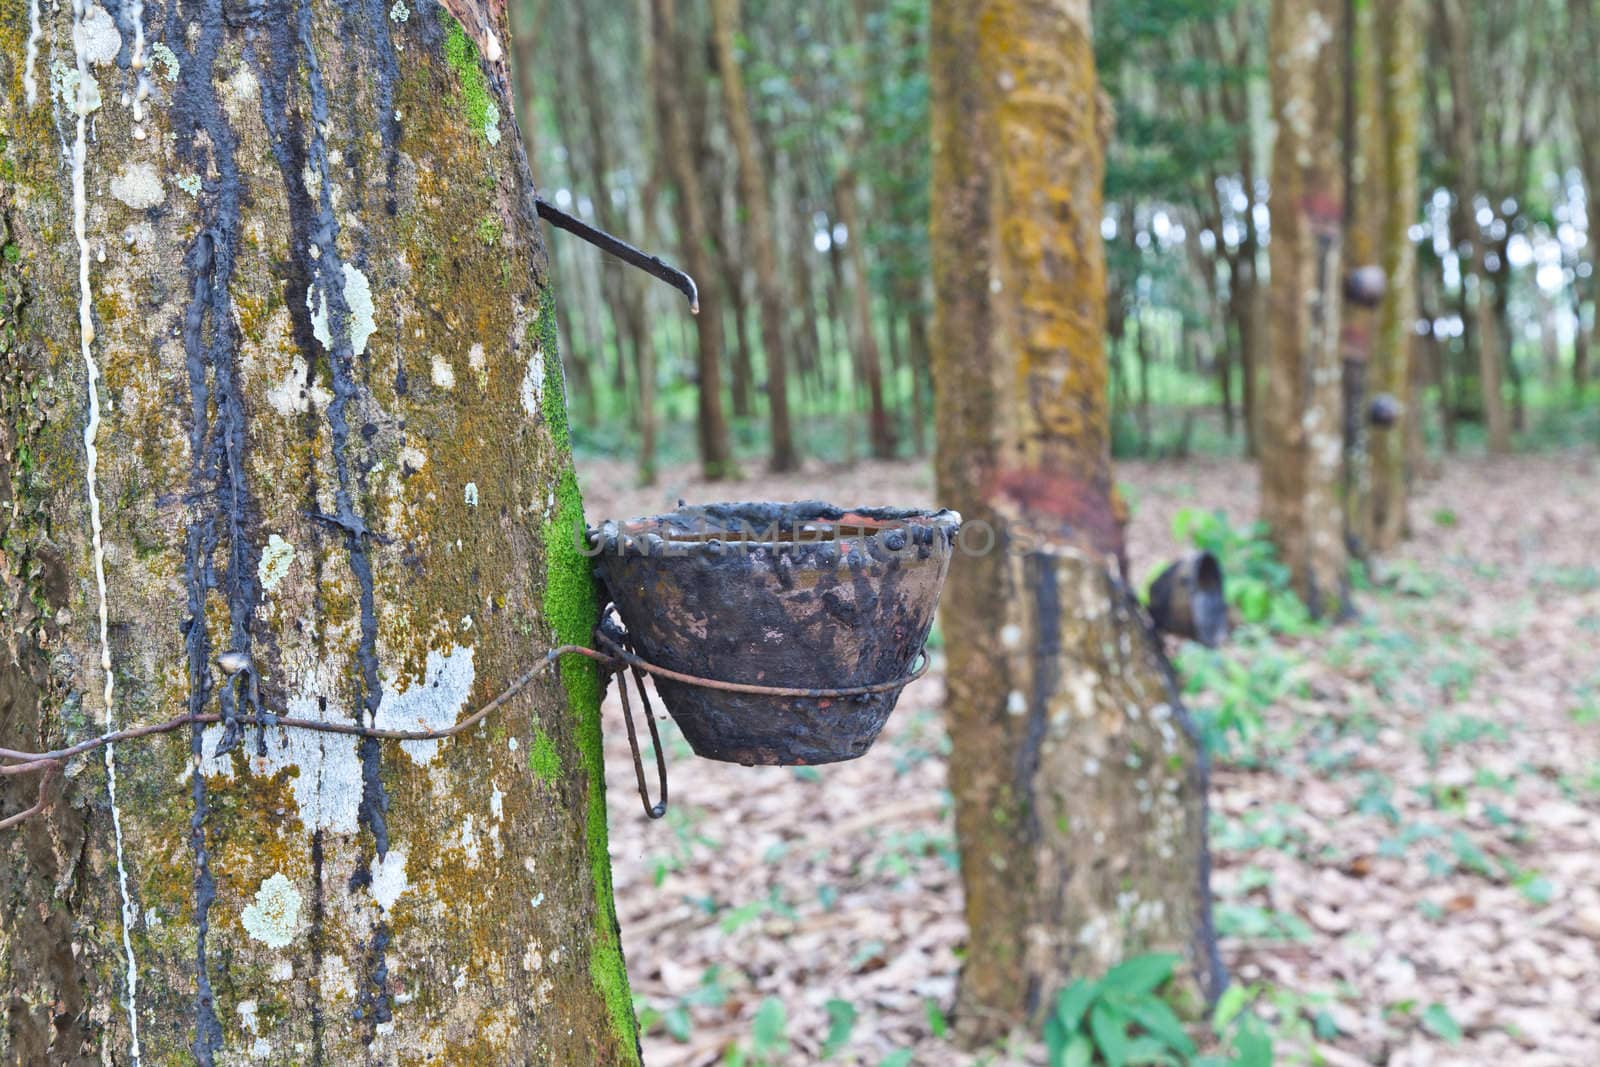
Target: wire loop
column 615, row 656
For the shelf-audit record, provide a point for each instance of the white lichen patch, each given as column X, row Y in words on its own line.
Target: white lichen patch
column 475, row 358
column 337, row 978
column 296, row 394
column 431, row 704
column 98, row 39
column 491, row 123
column 275, row 561
column 78, row 92
column 444, row 375
column 358, row 298
column 190, row 183
column 533, row 384
column 327, row 779
column 139, row 186
column 30, row 84
column 389, row 878
column 243, row 90
column 470, row 493
column 271, row 919
column 399, row 12
column 168, row 60
column 468, row 842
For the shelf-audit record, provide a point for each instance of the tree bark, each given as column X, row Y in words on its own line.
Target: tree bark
column 880, row 428
column 273, row 408
column 1452, row 18
column 716, row 449
column 1400, row 37
column 1079, row 787
column 625, row 291
column 1301, row 426
column 759, row 235
column 1366, row 202
column 1583, row 81
column 846, row 193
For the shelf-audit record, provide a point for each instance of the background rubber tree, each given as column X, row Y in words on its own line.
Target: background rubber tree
column 1079, row 786
column 667, row 58
column 1454, row 24
column 1366, row 185
column 1392, row 450
column 282, row 398
column 1583, row 88
column 1302, row 448
column 756, row 223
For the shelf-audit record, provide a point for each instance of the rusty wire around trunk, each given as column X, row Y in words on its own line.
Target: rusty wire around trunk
column 617, row 658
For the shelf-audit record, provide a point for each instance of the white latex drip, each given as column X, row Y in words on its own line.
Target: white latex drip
column 91, row 430
column 30, row 84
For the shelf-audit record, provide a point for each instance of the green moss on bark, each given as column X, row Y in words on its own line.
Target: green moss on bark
column 478, row 105
column 572, row 608
column 543, row 758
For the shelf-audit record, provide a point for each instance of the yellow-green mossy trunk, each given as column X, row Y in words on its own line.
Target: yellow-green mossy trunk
column 1366, row 203
column 1079, row 786
column 1391, row 447
column 285, row 433
column 1302, row 426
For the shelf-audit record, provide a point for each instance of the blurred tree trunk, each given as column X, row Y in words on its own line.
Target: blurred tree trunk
column 917, row 342
column 1301, row 447
column 1249, row 309
column 645, row 342
column 1456, row 34
column 880, row 428
column 1079, row 787
column 1583, row 88
column 1366, row 201
column 582, row 336
column 730, row 265
column 846, row 198
column 759, row 236
column 632, row 317
column 1582, row 340
column 716, row 451
column 624, row 295
column 272, row 424
column 801, row 250
column 695, row 66
column 843, row 370
column 1399, row 33
column 1252, row 312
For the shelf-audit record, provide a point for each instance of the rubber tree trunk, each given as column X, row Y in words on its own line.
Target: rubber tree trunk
column 1302, row 450
column 271, row 406
column 629, row 314
column 694, row 234
column 760, row 238
column 1583, row 81
column 1453, row 19
column 1079, row 786
column 1366, row 201
column 1400, row 36
column 869, row 358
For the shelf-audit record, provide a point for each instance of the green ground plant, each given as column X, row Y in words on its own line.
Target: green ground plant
column 1122, row 1020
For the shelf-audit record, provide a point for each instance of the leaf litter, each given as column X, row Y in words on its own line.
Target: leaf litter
column 1407, row 862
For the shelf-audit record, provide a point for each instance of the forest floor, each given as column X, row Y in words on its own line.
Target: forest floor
column 1407, row 850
